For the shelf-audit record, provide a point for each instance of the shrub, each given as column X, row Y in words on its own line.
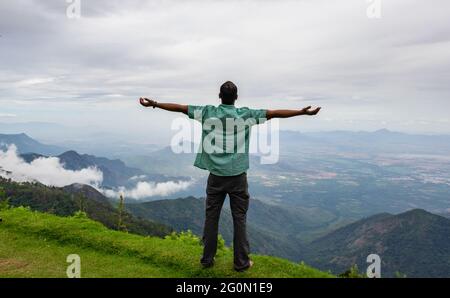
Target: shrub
column 186, row 237
column 80, row 214
column 353, row 272
column 221, row 248
column 190, row 238
column 398, row 274
column 24, row 208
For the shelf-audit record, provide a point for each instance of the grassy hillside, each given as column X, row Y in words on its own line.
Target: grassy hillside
column 36, row 244
column 68, row 200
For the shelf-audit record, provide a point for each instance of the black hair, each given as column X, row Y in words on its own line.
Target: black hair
column 228, row 93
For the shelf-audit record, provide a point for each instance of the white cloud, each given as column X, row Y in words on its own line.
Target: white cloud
column 47, row 170
column 137, row 177
column 149, row 189
column 7, row 115
column 34, row 81
column 311, row 52
column 50, row 171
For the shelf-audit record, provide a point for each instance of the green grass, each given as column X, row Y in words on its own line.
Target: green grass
column 34, row 244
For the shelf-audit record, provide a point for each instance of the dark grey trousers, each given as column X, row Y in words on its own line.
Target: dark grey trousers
column 237, row 189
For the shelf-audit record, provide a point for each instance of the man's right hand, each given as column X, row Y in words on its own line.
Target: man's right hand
column 308, row 111
column 147, row 102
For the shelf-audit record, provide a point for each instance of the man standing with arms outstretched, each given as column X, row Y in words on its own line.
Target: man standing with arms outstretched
column 228, row 168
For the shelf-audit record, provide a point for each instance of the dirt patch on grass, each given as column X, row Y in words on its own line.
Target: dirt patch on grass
column 11, row 264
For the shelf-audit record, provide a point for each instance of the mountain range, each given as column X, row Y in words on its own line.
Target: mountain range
column 115, row 172
column 382, row 140
column 25, row 144
column 83, row 138
column 415, row 243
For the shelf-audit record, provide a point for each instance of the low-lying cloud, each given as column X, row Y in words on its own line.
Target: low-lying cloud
column 145, row 189
column 51, row 172
column 46, row 170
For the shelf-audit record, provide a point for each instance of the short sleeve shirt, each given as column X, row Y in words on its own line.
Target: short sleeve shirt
column 224, row 150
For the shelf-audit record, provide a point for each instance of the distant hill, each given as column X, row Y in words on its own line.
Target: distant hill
column 115, row 172
column 92, row 140
column 165, row 161
column 38, row 129
column 415, row 243
column 25, row 144
column 86, row 191
column 445, row 214
column 382, row 140
column 295, row 142
column 70, row 199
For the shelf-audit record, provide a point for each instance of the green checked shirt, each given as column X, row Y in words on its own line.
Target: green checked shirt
column 225, row 137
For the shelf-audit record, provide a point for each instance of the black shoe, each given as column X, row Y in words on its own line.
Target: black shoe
column 208, row 265
column 250, row 265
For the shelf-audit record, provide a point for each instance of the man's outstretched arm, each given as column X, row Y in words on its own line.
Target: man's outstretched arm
column 172, row 107
column 291, row 113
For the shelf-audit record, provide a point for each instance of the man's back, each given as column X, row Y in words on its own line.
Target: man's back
column 225, row 137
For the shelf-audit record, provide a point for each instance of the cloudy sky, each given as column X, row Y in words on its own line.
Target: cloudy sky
column 367, row 73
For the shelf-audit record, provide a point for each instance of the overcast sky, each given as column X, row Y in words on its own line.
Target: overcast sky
column 367, row 73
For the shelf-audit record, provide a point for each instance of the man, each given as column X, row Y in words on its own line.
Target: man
column 228, row 170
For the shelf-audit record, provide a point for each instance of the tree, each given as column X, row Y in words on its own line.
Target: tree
column 120, row 225
column 4, row 201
